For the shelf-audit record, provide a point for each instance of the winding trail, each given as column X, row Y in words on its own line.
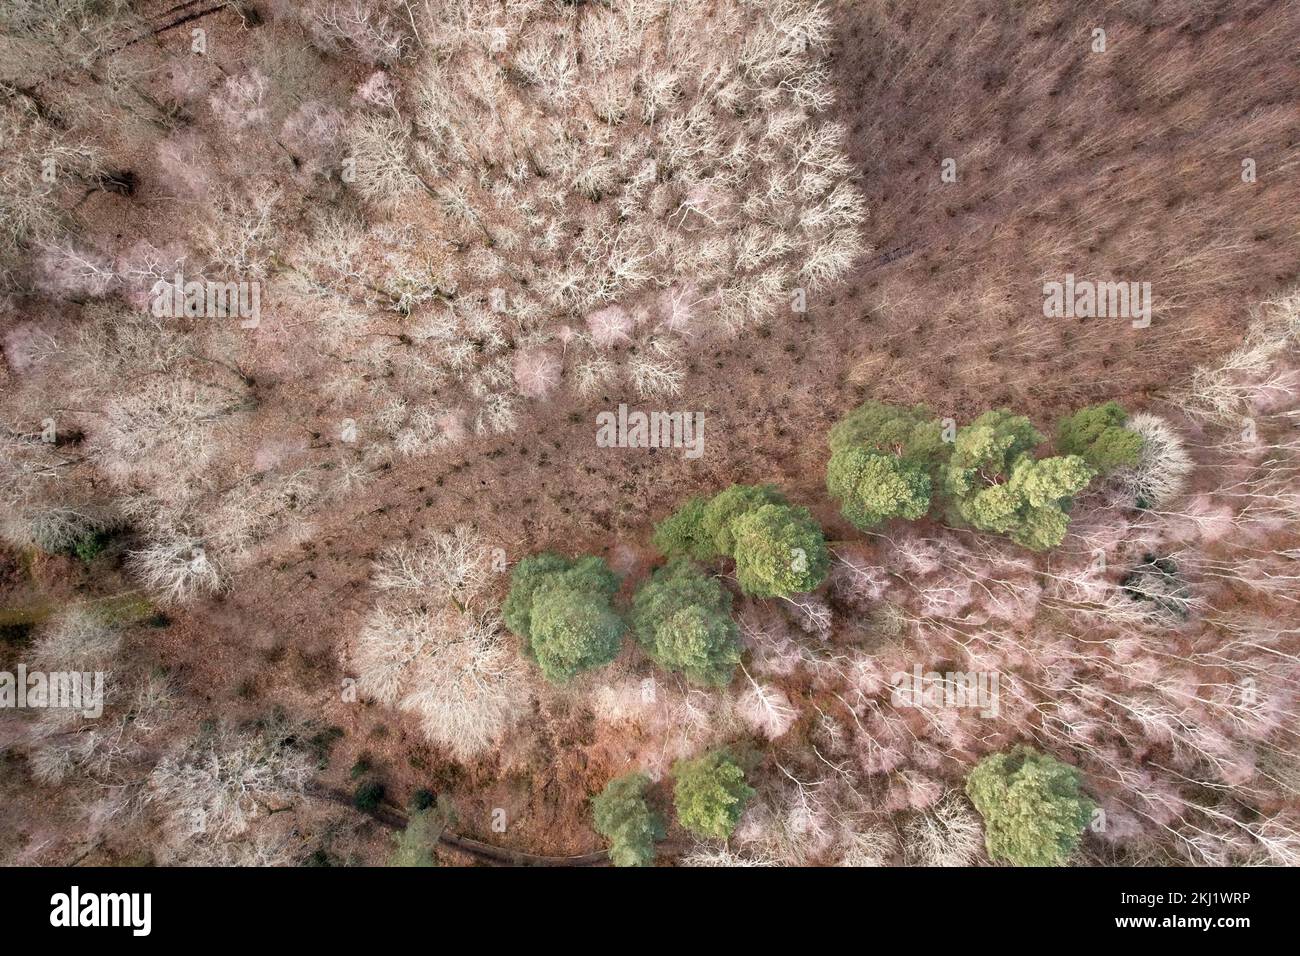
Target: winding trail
column 393, row 817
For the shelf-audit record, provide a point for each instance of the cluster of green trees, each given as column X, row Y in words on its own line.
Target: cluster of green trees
column 778, row 548
column 892, row 461
column 563, row 611
column 887, row 461
column 1034, row 811
column 709, row 795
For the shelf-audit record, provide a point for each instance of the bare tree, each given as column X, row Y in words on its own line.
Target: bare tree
column 948, row 834
column 178, row 569
column 431, row 646
column 216, row 787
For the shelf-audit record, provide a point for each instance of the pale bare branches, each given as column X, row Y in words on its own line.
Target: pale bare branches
column 947, row 834
column 429, row 647
column 451, row 565
column 520, row 143
column 177, row 568
column 217, row 787
column 1163, row 465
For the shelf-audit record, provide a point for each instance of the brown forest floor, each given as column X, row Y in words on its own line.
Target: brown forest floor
column 1123, row 165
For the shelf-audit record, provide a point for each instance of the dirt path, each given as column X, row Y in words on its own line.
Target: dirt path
column 394, row 818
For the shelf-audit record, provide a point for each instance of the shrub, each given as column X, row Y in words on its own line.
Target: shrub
column 622, row 815
column 710, row 794
column 561, row 610
column 994, row 483
column 1098, row 436
column 1032, row 808
column 682, row 618
column 368, row 796
column 414, row 845
column 778, row 548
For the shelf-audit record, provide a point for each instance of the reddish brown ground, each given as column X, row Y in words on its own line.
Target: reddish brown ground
column 1122, row 165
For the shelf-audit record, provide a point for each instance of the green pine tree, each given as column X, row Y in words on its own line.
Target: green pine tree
column 682, row 618
column 912, row 433
column 563, row 612
column 1033, row 810
column 710, row 794
column 993, row 482
column 623, row 816
column 1098, row 436
column 779, row 549
column 415, row 844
